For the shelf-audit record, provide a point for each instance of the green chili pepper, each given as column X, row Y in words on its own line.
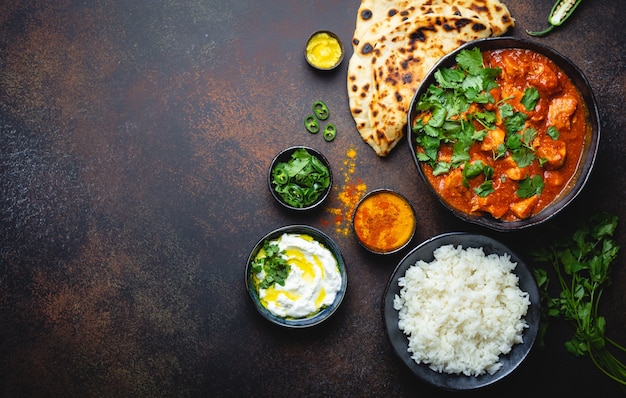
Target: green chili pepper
column 561, row 10
column 296, row 193
column 311, row 124
column 330, row 131
column 321, row 110
column 318, row 166
column 280, row 175
column 313, row 193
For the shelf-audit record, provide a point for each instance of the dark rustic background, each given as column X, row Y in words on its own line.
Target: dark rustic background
column 135, row 138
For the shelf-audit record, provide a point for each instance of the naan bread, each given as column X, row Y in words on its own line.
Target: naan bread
column 401, row 41
column 373, row 11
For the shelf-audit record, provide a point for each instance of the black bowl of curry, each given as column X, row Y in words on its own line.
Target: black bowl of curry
column 504, row 131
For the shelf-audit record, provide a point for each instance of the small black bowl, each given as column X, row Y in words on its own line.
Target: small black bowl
column 283, row 157
column 399, row 341
column 590, row 148
column 318, row 317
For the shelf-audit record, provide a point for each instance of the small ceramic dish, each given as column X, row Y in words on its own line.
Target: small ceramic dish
column 324, row 50
column 268, row 308
column 309, row 187
column 383, row 221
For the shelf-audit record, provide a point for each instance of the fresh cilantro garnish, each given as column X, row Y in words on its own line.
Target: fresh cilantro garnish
column 520, row 146
column 273, row 264
column 441, row 168
column 472, row 170
column 514, row 141
column 449, row 78
column 522, row 156
column 448, row 103
column 487, row 119
column 530, row 98
column 528, row 136
column 553, row 133
column 484, row 189
column 506, row 110
column 470, row 61
column 500, row 151
column 530, row 186
column 515, row 122
column 438, row 117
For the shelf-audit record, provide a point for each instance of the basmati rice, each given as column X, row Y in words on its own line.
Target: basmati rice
column 462, row 311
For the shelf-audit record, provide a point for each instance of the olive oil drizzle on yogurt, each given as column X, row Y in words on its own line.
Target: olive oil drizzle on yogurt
column 312, row 283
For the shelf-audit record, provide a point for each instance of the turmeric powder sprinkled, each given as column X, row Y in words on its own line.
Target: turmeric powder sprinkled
column 349, row 195
column 384, row 221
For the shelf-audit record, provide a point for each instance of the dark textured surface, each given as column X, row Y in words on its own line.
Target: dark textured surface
column 135, row 140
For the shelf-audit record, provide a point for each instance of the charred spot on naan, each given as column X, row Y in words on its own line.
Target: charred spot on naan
column 367, row 48
column 429, row 9
column 457, row 24
column 363, row 93
column 419, row 35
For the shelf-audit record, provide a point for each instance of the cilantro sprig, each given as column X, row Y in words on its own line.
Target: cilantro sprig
column 530, row 186
column 582, row 262
column 274, row 265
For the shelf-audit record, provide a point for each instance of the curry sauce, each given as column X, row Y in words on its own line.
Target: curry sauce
column 559, row 109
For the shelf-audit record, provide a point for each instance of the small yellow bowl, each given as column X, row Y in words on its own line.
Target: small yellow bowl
column 324, row 50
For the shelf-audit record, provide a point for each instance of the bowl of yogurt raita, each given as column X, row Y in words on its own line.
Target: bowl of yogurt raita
column 296, row 276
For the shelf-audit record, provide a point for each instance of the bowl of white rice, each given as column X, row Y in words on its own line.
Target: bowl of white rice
column 461, row 311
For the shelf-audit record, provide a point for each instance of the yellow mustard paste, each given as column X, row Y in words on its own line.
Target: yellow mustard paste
column 323, row 50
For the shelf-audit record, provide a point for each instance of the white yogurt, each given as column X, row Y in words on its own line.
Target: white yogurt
column 313, row 281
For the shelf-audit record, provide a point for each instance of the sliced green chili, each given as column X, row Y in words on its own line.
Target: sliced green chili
column 560, row 12
column 313, row 192
column 318, row 166
column 330, row 131
column 321, row 110
column 311, row 124
column 295, row 193
column 280, row 175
